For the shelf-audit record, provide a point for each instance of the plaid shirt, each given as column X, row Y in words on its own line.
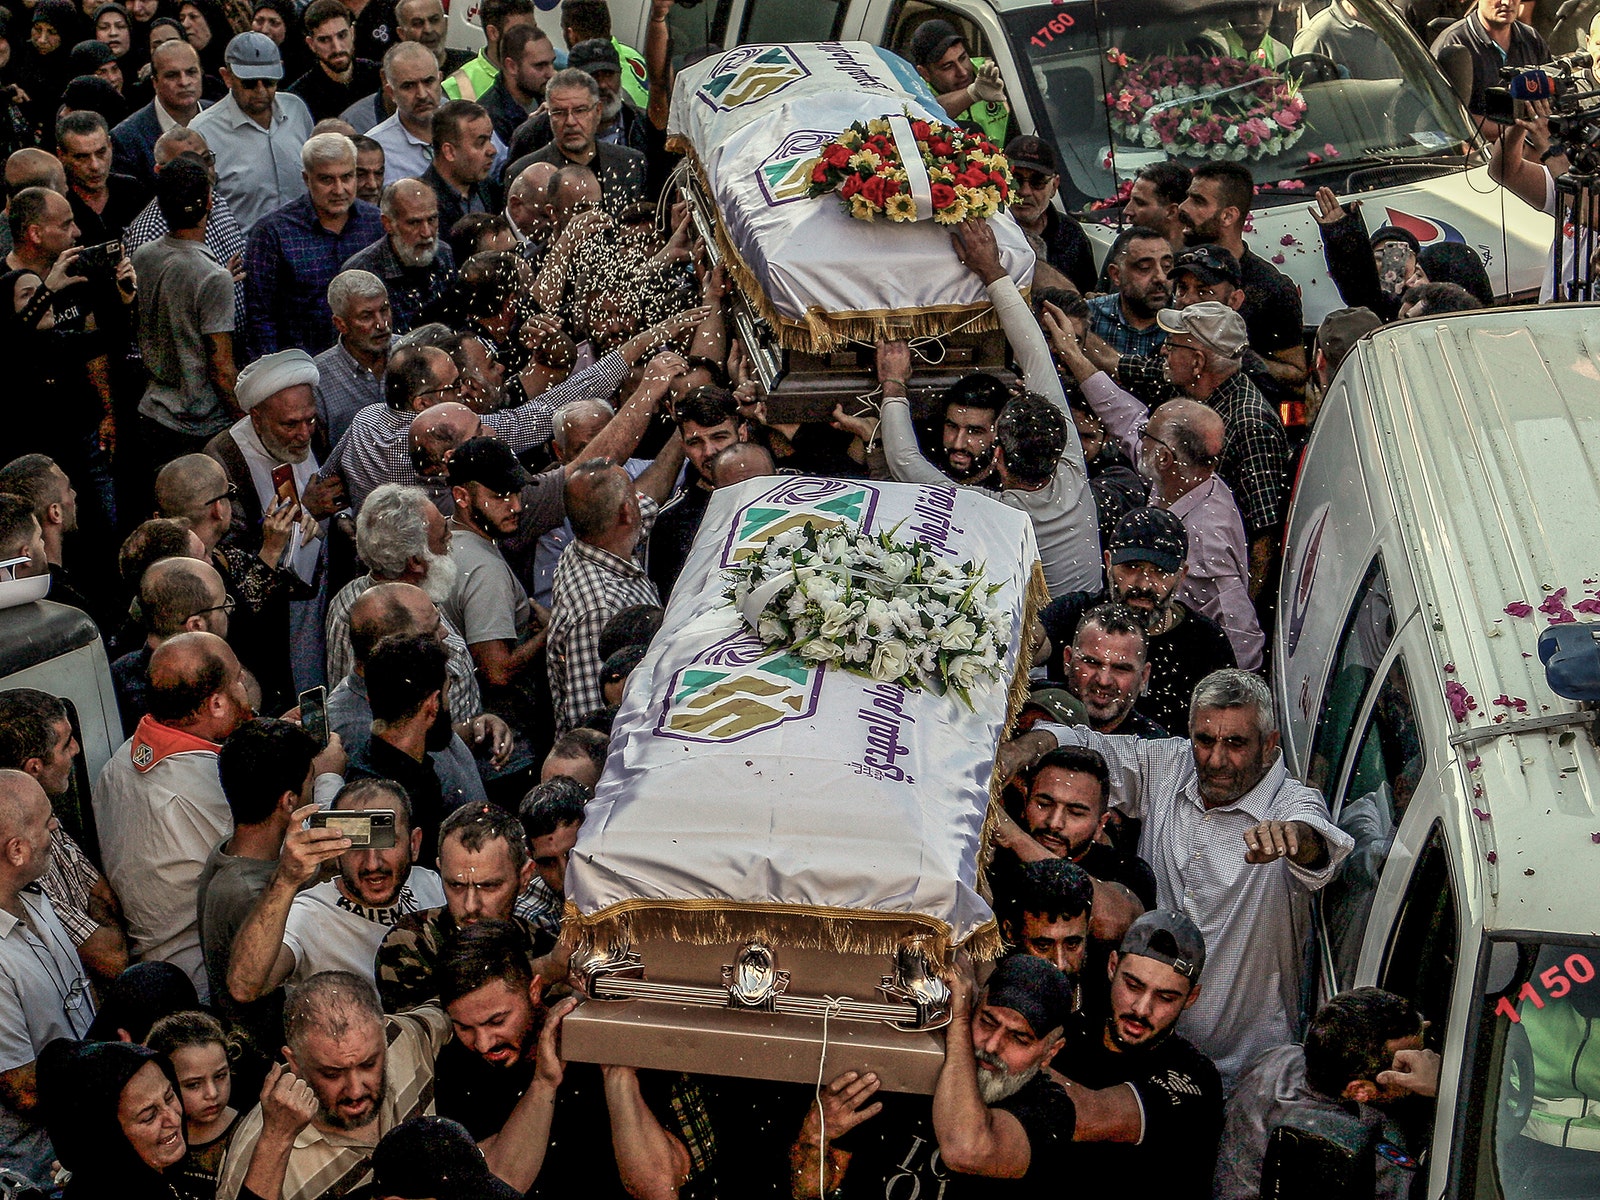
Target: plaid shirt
column 69, row 881
column 540, row 907
column 376, row 448
column 224, row 239
column 406, row 959
column 591, row 585
column 1108, row 323
column 291, row 260
column 1255, row 453
column 330, row 1163
column 343, row 388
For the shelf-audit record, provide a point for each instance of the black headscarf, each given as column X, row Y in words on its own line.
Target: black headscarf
column 211, row 58
column 95, row 94
column 143, row 994
column 44, row 76
column 80, row 1087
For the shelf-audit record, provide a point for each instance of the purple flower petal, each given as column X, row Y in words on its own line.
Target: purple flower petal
column 1590, row 605
column 1474, row 763
column 1564, row 617
column 1519, row 608
column 1480, row 814
column 1491, row 858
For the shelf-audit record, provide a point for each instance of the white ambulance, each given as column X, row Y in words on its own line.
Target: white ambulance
column 1442, row 544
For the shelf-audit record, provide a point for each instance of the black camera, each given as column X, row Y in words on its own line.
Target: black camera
column 97, row 262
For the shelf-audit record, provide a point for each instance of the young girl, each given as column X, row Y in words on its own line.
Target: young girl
column 193, row 1042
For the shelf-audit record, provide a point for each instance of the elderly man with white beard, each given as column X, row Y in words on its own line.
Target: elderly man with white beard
column 411, row 259
column 272, row 470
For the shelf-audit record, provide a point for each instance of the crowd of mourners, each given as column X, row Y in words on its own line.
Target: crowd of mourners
column 342, row 360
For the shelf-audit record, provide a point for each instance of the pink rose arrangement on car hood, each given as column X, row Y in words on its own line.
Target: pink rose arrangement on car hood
column 1198, row 106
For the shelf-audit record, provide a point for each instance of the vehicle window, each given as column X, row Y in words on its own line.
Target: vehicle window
column 697, row 27
column 910, row 16
column 1421, row 961
column 1387, row 766
column 1367, row 633
column 792, row 20
column 1540, row 1024
column 1354, row 103
column 73, row 809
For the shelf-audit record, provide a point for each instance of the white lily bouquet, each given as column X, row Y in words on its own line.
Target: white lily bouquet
column 892, row 611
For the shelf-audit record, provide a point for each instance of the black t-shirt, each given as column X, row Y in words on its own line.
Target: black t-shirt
column 1110, row 865
column 673, row 535
column 1179, row 658
column 895, row 1156
column 327, row 97
column 1271, row 309
column 1180, row 1094
column 125, row 200
column 1067, row 249
column 580, row 1160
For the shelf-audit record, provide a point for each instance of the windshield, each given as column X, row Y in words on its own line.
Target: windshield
column 1119, row 86
column 1541, row 1031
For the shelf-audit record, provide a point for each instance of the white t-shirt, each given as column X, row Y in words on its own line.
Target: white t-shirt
column 326, row 932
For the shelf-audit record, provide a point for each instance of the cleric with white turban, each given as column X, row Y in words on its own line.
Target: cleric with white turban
column 268, row 456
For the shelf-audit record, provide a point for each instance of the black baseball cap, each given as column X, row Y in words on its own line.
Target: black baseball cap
column 1032, row 153
column 1168, row 937
column 932, row 39
column 1209, row 264
column 434, row 1158
column 1034, row 988
column 1151, row 535
column 596, row 54
column 488, row 461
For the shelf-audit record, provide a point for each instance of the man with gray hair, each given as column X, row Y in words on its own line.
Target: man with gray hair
column 572, row 101
column 411, row 78
column 350, row 372
column 412, row 260
column 294, row 253
column 1236, row 845
column 403, row 538
column 224, row 238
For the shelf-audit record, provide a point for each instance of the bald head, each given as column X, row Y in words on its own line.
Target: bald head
column 20, row 797
column 176, row 52
column 438, row 432
column 403, row 55
column 572, row 187
column 1193, row 430
column 534, row 182
column 389, row 610
column 186, row 486
column 738, row 462
column 195, row 684
column 177, row 595
column 576, row 425
column 179, row 139
column 35, row 168
column 401, row 196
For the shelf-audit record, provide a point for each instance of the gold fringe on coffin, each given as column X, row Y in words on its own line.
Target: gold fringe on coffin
column 823, row 332
column 817, row 927
column 1038, row 595
column 808, row 927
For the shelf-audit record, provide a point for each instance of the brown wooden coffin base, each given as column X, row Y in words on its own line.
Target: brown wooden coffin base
column 749, row 1045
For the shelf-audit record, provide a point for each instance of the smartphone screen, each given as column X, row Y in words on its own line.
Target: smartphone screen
column 314, row 713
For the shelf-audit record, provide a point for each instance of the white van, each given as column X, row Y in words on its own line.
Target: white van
column 1395, row 143
column 1446, row 514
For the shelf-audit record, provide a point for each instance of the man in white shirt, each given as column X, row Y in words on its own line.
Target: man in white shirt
column 337, row 925
column 158, row 802
column 44, row 994
column 411, row 77
column 1236, row 845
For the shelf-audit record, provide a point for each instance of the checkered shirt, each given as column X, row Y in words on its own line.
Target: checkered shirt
column 1255, row 453
column 68, row 881
column 1107, row 322
column 291, row 260
column 466, row 701
column 343, row 388
column 591, row 585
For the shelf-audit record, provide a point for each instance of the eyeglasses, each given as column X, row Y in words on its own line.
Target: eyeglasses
column 1031, row 179
column 1142, row 429
column 231, row 494
column 251, row 85
column 453, row 386
column 571, row 114
column 228, row 605
column 1168, row 346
